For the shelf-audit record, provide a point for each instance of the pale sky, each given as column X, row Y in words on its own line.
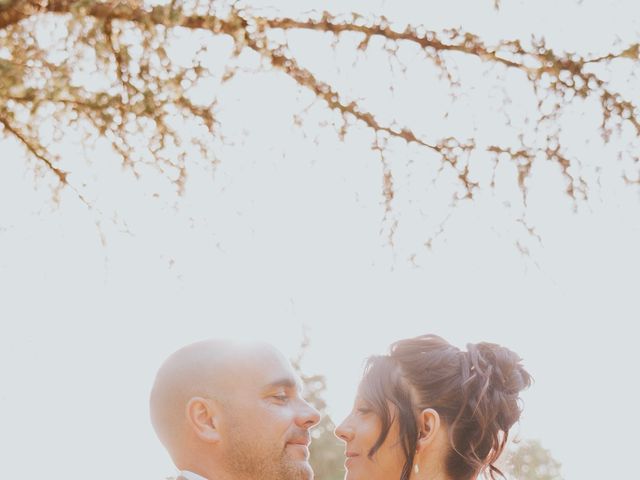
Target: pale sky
column 289, row 231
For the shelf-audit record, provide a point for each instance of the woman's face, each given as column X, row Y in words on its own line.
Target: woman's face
column 359, row 431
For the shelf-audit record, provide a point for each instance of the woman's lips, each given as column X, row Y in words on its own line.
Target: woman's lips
column 350, row 459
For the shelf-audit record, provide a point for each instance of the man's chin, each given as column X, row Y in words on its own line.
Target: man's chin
column 305, row 470
column 302, row 468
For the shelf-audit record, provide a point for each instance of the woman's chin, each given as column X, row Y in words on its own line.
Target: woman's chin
column 354, row 475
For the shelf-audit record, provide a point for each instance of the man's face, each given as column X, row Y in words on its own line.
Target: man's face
column 266, row 423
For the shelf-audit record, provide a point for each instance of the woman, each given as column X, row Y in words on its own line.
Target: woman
column 431, row 411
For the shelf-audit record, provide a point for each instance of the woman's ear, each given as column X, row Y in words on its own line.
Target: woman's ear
column 428, row 426
column 202, row 417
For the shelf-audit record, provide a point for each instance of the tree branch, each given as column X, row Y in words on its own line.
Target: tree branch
column 464, row 42
column 324, row 91
column 469, row 45
column 567, row 72
column 159, row 15
column 62, row 176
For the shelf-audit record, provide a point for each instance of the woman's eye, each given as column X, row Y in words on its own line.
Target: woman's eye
column 364, row 410
column 281, row 397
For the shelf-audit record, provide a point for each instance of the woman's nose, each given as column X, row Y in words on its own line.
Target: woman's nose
column 343, row 431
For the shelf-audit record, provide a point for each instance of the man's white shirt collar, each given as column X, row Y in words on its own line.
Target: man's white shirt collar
column 191, row 476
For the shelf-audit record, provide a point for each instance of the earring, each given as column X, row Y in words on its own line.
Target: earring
column 416, row 468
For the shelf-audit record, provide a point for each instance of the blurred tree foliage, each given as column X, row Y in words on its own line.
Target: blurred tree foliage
column 530, row 461
column 105, row 70
column 327, row 452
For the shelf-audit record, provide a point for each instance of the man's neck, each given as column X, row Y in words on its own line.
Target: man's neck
column 205, row 474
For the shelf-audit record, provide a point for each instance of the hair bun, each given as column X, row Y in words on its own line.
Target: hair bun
column 475, row 392
column 502, row 367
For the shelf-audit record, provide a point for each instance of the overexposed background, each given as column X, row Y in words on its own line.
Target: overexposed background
column 289, row 231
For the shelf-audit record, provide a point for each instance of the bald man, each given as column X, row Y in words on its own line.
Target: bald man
column 232, row 411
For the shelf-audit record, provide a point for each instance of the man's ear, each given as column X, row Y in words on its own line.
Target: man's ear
column 202, row 417
column 428, row 426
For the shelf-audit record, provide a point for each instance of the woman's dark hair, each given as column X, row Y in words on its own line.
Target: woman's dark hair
column 475, row 394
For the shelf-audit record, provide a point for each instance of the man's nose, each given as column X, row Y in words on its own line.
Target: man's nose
column 309, row 416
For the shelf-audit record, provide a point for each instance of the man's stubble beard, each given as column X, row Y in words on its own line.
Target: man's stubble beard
column 248, row 459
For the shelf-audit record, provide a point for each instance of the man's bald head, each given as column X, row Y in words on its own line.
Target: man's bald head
column 233, row 410
column 202, row 369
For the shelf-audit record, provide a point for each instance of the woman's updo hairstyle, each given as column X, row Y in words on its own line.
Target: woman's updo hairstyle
column 475, row 392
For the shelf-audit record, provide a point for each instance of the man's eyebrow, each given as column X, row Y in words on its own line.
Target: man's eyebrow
column 286, row 382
